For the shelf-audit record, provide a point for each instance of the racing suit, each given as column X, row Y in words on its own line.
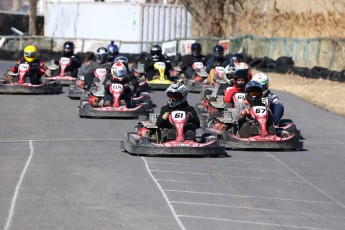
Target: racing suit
column 187, row 62
column 90, row 76
column 72, row 68
column 130, row 83
column 150, row 70
column 192, row 124
column 36, row 71
column 275, row 105
column 245, row 120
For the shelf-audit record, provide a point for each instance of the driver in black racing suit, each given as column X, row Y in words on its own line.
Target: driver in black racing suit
column 177, row 100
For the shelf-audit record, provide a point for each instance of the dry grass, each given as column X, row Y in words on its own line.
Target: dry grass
column 325, row 94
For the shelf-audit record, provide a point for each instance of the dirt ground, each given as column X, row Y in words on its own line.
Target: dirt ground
column 325, row 94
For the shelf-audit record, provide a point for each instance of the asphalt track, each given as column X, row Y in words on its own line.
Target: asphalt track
column 58, row 171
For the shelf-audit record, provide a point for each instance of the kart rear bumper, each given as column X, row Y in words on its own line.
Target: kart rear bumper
column 142, row 146
column 48, row 88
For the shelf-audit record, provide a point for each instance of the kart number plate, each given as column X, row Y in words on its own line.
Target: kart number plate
column 65, row 61
column 117, row 87
column 23, row 67
column 260, row 110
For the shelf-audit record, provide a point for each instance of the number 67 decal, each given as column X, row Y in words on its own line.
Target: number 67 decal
column 260, row 110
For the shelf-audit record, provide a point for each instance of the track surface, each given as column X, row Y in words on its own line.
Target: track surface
column 58, row 171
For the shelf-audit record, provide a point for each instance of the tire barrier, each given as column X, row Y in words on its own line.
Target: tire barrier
column 285, row 65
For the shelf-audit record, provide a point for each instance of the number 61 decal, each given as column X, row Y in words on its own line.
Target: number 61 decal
column 178, row 115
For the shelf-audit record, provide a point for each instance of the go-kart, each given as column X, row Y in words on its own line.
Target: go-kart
column 197, row 82
column 77, row 91
column 284, row 136
column 147, row 140
column 65, row 77
column 160, row 81
column 14, row 83
column 93, row 106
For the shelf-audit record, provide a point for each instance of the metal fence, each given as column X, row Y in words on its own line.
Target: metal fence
column 325, row 52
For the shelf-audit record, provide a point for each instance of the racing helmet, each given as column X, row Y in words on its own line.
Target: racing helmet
column 218, row 52
column 121, row 58
column 237, row 58
column 119, row 71
column 243, row 74
column 230, row 73
column 241, row 65
column 113, row 50
column 30, row 53
column 263, row 80
column 177, row 94
column 68, row 49
column 156, row 52
column 196, row 49
column 253, row 92
column 102, row 55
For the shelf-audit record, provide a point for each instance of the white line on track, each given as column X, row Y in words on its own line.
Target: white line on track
column 164, row 195
column 254, row 197
column 253, row 222
column 16, row 191
column 308, row 182
column 218, row 167
column 223, row 175
column 258, row 209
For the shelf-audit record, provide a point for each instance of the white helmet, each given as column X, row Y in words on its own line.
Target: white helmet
column 177, row 94
column 229, row 73
column 241, row 65
column 263, row 80
column 119, row 71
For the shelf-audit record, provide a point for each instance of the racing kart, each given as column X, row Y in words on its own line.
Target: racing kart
column 14, row 83
column 92, row 107
column 147, row 140
column 64, row 78
column 160, row 81
column 198, row 81
column 284, row 136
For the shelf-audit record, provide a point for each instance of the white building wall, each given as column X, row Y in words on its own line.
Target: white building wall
column 130, row 22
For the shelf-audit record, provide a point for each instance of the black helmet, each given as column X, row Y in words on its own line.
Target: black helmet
column 236, row 58
column 68, row 49
column 156, row 52
column 102, row 55
column 253, row 91
column 241, row 73
column 218, row 51
column 196, row 49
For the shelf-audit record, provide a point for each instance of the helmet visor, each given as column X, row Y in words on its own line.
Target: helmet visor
column 175, row 96
column 254, row 93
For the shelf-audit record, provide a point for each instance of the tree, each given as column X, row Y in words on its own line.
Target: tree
column 208, row 16
column 32, row 17
column 215, row 18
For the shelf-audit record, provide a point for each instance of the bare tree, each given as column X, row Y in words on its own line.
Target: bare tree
column 208, row 16
column 32, row 17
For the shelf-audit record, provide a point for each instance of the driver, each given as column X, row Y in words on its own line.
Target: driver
column 189, row 59
column 253, row 97
column 37, row 67
column 119, row 75
column 68, row 52
column 177, row 100
column 156, row 56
